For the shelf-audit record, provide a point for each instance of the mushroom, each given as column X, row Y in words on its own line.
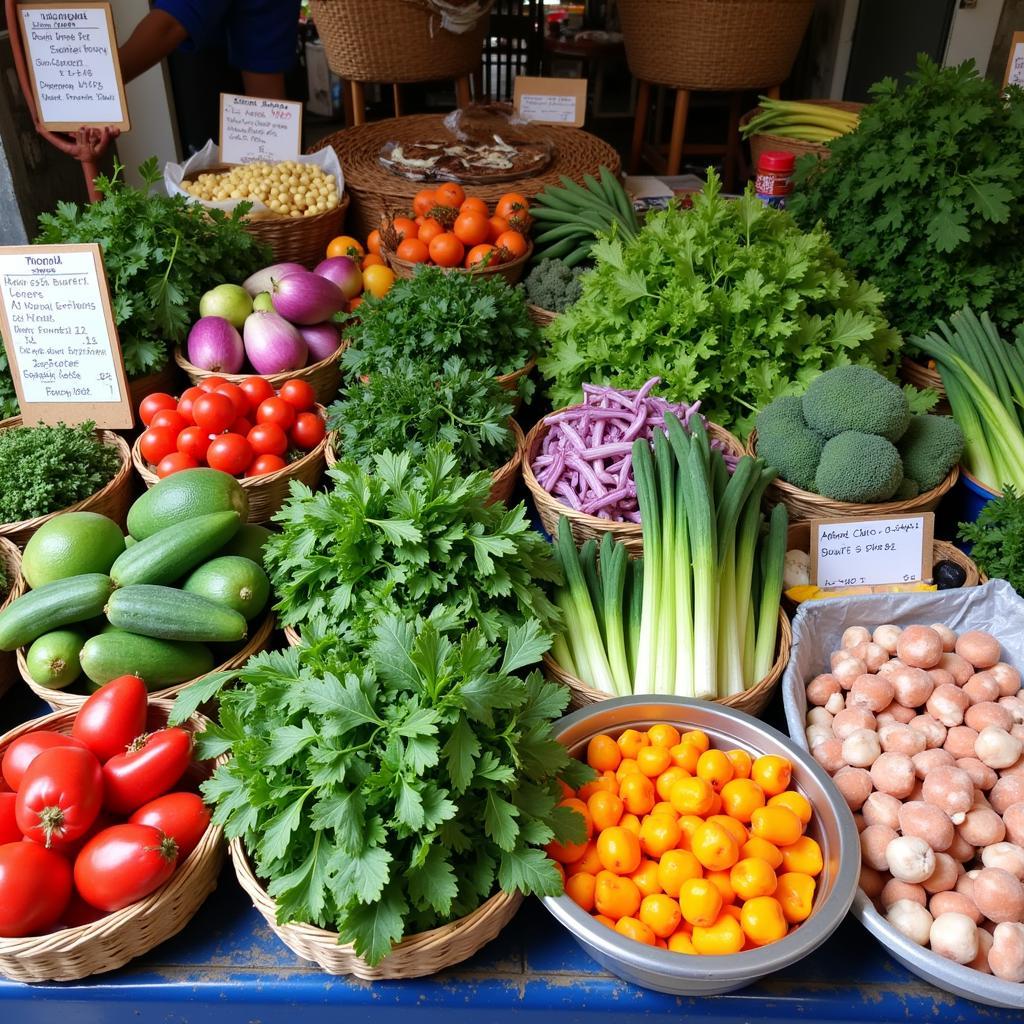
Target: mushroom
column 941, row 677
column 854, row 635
column 934, row 731
column 835, row 703
column 912, row 686
column 819, row 716
column 959, row 668
column 983, row 777
column 873, row 655
column 882, row 809
column 911, row 919
column 979, row 648
column 896, row 713
column 861, row 748
column 872, row 692
column 947, row 636
column 1008, row 790
column 943, row 878
column 961, row 850
column 950, row 789
column 929, row 760
column 871, row 881
column 1015, row 706
column 1006, row 957
column 954, row 903
column 999, row 895
column 873, row 842
column 854, row 784
column 910, row 859
column 895, row 890
column 820, row 688
column 982, row 686
column 919, row 646
column 987, row 713
column 980, row 962
column 898, row 738
column 817, row 734
column 954, row 936
column 847, row 669
column 1007, row 677
column 926, row 822
column 982, row 827
column 947, row 704
column 997, row 748
column 850, row 719
column 1008, row 856
column 829, row 754
column 887, row 637
column 892, row 665
column 893, row 773
column 960, row 741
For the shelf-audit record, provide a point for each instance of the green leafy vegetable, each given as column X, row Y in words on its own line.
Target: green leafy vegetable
column 997, row 537
column 553, row 285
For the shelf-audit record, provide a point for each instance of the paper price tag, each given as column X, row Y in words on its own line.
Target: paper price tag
column 551, row 100
column 1015, row 63
column 872, row 550
column 254, row 129
column 73, row 64
column 60, row 338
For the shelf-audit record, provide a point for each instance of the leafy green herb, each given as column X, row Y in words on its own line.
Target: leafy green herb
column 997, row 537
column 45, row 469
column 728, row 302
column 927, row 195
column 386, row 794
column 415, row 404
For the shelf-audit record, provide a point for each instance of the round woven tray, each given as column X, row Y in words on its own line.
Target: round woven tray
column 377, row 192
column 125, row 934
column 10, row 565
column 713, row 45
column 802, row 505
column 585, row 527
column 924, row 376
column 111, row 500
column 415, row 956
column 761, row 143
column 62, row 700
column 512, row 271
column 753, row 701
column 541, row 317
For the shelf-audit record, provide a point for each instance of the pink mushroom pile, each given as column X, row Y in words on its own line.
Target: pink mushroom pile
column 923, row 732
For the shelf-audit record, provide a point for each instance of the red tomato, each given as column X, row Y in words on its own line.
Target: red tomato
column 309, row 430
column 123, row 864
column 193, row 442
column 154, row 403
column 78, row 912
column 268, row 439
column 239, row 399
column 276, row 410
column 299, row 394
column 60, row 795
column 24, row 750
column 209, row 384
column 35, row 886
column 9, row 831
column 265, row 464
column 169, row 418
column 185, row 403
column 230, row 453
column 405, row 227
column 240, row 426
column 182, row 816
column 147, row 771
column 446, row 250
column 156, row 442
column 174, row 463
column 112, row 717
column 257, row 389
column 213, row 412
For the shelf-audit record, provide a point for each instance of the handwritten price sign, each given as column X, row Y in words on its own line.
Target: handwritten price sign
column 253, row 129
column 872, row 551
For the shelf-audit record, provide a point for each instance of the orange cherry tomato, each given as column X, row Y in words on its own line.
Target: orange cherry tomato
column 589, row 863
column 471, row 228
column 652, row 761
column 373, row 242
column 430, row 229
column 498, row 227
column 661, row 914
column 637, row 792
column 512, row 203
column 580, row 889
column 345, row 245
column 663, row 735
column 619, row 850
column 446, row 250
column 636, row 930
column 405, row 228
column 413, row 250
column 646, row 877
column 616, row 896
column 772, row 773
column 603, row 753
column 630, row 741
column 606, row 809
column 605, row 782
column 372, row 260
column 449, row 194
column 485, row 255
column 577, row 805
column 424, row 201
column 513, row 241
column 476, row 204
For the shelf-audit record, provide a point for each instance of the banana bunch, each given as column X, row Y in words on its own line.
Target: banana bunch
column 808, row 122
column 571, row 217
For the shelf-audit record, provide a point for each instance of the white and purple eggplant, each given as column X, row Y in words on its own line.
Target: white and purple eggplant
column 272, row 344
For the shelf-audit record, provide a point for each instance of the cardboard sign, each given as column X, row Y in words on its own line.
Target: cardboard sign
column 872, row 550
column 59, row 333
column 1015, row 63
column 253, row 129
column 551, row 100
column 72, row 60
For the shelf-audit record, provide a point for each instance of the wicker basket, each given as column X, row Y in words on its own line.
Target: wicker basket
column 414, row 957
column 924, row 376
column 62, row 700
column 753, row 701
column 713, row 45
column 803, row 505
column 111, row 500
column 125, row 934
column 402, row 42
column 512, row 271
column 541, row 317
column 761, row 143
column 584, row 527
column 10, row 565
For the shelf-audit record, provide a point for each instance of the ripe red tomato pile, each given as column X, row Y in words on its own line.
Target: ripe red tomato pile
column 88, row 822
column 243, row 429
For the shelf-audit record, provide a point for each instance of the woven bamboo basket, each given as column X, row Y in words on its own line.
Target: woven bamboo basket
column 766, row 142
column 63, row 700
column 512, row 271
column 802, row 505
column 266, row 493
column 510, row 381
column 753, row 701
column 377, row 192
column 112, row 500
column 713, row 45
column 414, row 957
column 541, row 317
column 586, row 527
column 125, row 934
column 925, row 376
column 404, row 41
column 10, row 565
column 165, row 381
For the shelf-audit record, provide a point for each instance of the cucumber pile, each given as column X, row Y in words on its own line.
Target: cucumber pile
column 166, row 603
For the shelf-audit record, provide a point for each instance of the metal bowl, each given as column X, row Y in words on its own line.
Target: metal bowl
column 832, row 826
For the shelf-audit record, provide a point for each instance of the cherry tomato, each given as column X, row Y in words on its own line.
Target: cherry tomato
column 309, row 430
column 429, row 229
column 124, row 864
column 35, row 886
column 60, row 795
column 170, row 419
column 299, row 394
column 187, row 400
column 154, row 403
column 412, row 250
column 113, row 717
column 267, row 439
column 9, row 831
column 446, row 250
column 424, row 201
column 230, row 453
column 193, row 442
column 449, row 194
column 265, row 464
column 182, row 816
column 499, row 225
column 175, row 463
column 472, row 227
column 149, row 768
column 373, row 242
column 276, row 410
column 405, row 228
column 240, row 426
column 238, row 397
column 213, row 412
column 484, row 255
column 510, row 204
column 78, row 912
column 209, row 384
column 257, row 389
column 378, row 281
column 475, row 204
column 24, row 750
column 514, row 242
column 157, row 442
column 372, row 260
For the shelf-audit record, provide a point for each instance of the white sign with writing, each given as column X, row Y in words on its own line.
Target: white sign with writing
column 72, row 59
column 253, row 129
column 556, row 109
column 60, row 337
column 1015, row 65
column 550, row 100
column 870, row 551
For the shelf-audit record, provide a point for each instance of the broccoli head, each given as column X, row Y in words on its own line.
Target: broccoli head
column 856, row 398
column 787, row 444
column 908, row 488
column 858, row 467
column 553, row 285
column 930, row 448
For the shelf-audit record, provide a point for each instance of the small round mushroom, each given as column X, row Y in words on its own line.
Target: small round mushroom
column 1007, row 677
column 1008, row 790
column 872, row 692
column 1015, row 706
column 1008, row 856
column 980, row 962
column 983, row 777
column 987, row 713
column 873, row 655
column 873, row 842
column 896, row 713
column 829, row 755
column 954, row 936
column 947, row 636
column 982, row 686
column 893, row 773
column 835, row 703
column 872, row 882
column 854, row 784
column 854, row 635
column 940, row 677
column 882, row 809
column 820, row 688
column 960, row 741
column 912, row 686
column 934, row 731
column 897, row 738
column 929, row 760
column 895, row 890
column 919, row 646
column 911, row 919
column 981, row 649
column 887, row 637
column 997, row 748
column 817, row 734
column 947, row 704
column 959, row 668
column 951, row 790
column 999, row 895
column 819, row 716
column 847, row 669
column 910, row 859
column 943, row 878
column 982, row 827
column 1006, row 957
column 965, row 884
column 961, row 850
column 892, row 665
column 850, row 720
column 954, row 903
column 926, row 822
column 861, row 748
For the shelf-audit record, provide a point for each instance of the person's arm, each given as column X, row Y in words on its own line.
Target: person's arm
column 156, row 36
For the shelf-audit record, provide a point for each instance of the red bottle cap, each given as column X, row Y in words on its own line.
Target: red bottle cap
column 776, row 161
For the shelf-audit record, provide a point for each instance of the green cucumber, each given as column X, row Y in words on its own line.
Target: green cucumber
column 170, row 614
column 51, row 606
column 173, row 552
column 231, row 582
column 158, row 663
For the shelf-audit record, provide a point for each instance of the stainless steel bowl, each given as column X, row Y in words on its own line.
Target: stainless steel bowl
column 832, row 826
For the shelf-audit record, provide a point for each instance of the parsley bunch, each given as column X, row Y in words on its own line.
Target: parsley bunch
column 927, row 195
column 386, row 794
column 997, row 537
column 414, row 404
column 45, row 469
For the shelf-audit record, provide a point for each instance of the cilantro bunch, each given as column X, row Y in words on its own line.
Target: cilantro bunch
column 997, row 536
column 414, row 404
column 386, row 794
column 729, row 302
column 927, row 195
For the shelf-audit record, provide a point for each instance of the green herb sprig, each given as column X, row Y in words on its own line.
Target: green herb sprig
column 997, row 536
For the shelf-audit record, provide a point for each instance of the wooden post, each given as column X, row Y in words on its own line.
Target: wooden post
column 675, row 143
column 358, row 103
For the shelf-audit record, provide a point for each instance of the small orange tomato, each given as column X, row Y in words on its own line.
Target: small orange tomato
column 772, row 773
column 603, row 753
column 471, row 228
column 604, row 783
column 498, row 227
column 698, row 738
column 646, row 877
column 752, row 877
column 561, row 872
column 424, row 201
column 663, row 735
column 449, row 194
column 413, row 250
column 715, row 769
column 652, row 761
column 637, row 792
column 626, row 765
column 659, row 833
column 606, row 921
column 565, row 853
column 763, row 921
column 474, row 204
column 446, row 250
column 741, row 797
column 345, row 245
column 429, row 230
column 721, row 881
column 664, row 807
column 405, row 228
column 619, row 850
column 484, row 255
column 700, row 902
column 418, row 220
column 580, row 889
column 630, row 741
column 378, row 280
column 685, row 756
column 577, row 805
column 372, row 260
column 692, row 796
column 689, row 823
column 680, row 942
column 588, row 864
column 606, row 809
column 722, row 937
column 373, row 241
column 795, row 893
column 635, row 930
column 796, row 802
column 616, row 896
column 714, row 847
column 731, row 825
column 630, row 822
column 511, row 203
column 512, row 241
column 755, row 846
column 676, row 867
column 741, row 762
column 779, row 825
column 353, row 304
column 661, row 914
column 803, row 856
